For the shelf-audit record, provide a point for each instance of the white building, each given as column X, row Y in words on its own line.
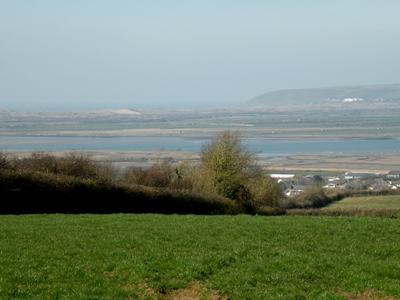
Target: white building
column 281, row 176
column 352, row 99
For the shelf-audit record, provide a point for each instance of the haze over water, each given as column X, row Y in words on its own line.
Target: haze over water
column 88, row 55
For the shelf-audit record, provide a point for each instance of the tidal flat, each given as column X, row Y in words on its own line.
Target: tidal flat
column 145, row 158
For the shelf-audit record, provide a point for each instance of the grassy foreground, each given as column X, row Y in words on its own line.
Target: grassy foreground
column 127, row 256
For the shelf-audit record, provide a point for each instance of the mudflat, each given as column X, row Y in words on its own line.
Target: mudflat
column 374, row 163
column 145, row 158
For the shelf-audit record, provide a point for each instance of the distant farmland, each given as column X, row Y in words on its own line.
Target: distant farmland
column 367, row 202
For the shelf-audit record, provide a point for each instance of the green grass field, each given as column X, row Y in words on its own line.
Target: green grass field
column 128, row 256
column 391, row 201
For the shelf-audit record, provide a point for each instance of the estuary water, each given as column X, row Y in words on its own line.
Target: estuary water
column 264, row 146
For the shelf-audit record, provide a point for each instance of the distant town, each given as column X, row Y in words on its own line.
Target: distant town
column 353, row 180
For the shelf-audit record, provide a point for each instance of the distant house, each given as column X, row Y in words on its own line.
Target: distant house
column 352, row 99
column 330, row 186
column 377, row 187
column 352, row 175
column 281, row 176
column 379, row 181
column 297, row 189
column 393, row 174
column 333, row 179
column 356, row 175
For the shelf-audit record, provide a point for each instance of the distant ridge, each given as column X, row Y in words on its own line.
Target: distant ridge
column 384, row 92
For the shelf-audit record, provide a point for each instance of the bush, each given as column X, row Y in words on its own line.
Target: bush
column 182, row 180
column 159, row 175
column 311, row 197
column 81, row 165
column 201, row 179
column 270, row 211
column 228, row 163
column 77, row 164
column 266, row 191
column 4, row 161
column 229, row 169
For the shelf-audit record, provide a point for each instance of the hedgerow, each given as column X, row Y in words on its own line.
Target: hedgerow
column 77, row 164
column 74, row 183
column 33, row 192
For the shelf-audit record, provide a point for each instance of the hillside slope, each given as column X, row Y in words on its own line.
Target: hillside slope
column 387, row 92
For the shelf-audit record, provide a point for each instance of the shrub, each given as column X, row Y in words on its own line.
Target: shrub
column 39, row 162
column 81, row 165
column 229, row 169
column 77, row 164
column 183, row 183
column 182, row 180
column 266, row 191
column 270, row 211
column 311, row 197
column 201, row 179
column 4, row 161
column 228, row 163
column 159, row 175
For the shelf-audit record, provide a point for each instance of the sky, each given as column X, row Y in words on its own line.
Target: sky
column 96, row 54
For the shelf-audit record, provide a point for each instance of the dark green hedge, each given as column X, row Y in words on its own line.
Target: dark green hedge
column 37, row 193
column 369, row 193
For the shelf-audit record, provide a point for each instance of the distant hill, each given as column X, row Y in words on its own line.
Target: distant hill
column 386, row 92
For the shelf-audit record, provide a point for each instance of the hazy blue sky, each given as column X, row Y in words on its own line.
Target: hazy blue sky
column 78, row 54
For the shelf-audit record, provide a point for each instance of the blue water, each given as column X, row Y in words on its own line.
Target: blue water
column 265, row 146
column 99, row 143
